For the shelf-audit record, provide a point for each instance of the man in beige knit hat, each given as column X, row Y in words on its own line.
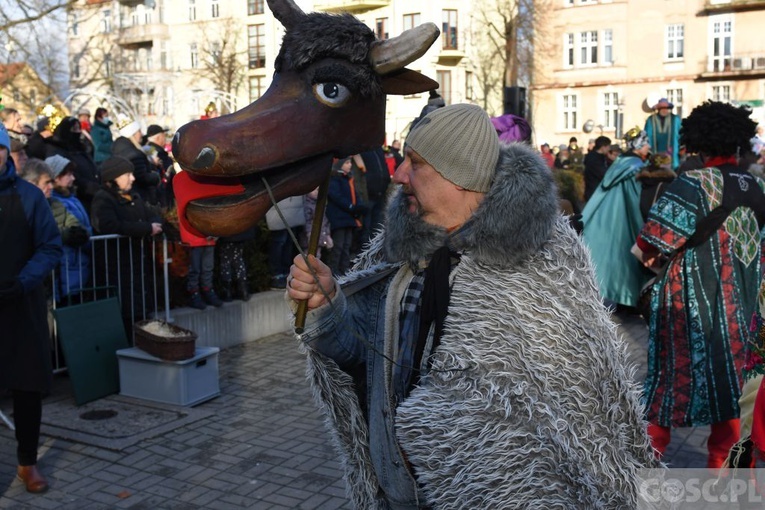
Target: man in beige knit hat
column 466, row 361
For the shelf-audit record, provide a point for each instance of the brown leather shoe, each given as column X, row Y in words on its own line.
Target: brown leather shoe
column 32, row 478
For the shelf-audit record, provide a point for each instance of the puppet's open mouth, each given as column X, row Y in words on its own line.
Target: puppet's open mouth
column 223, row 206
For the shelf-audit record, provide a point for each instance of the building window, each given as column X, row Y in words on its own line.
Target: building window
column 449, row 29
column 610, row 109
column 106, row 21
column 33, row 96
column 256, row 87
column 444, row 79
column 675, row 96
column 570, row 112
column 469, row 85
column 722, row 42
column 167, row 100
column 147, row 15
column 194, row 53
column 192, row 10
column 215, row 9
column 675, row 35
column 588, row 47
column 76, row 68
column 108, row 66
column 411, row 20
column 721, row 93
column 215, row 52
column 163, row 62
column 568, row 50
column 256, row 44
column 608, row 46
column 254, row 7
column 381, row 28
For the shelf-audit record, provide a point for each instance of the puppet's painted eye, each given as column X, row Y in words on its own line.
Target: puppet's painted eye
column 331, row 93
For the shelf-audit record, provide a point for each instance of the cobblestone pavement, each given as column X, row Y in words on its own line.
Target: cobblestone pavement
column 264, row 446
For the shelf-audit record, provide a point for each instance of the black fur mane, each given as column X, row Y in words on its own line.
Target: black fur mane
column 319, row 36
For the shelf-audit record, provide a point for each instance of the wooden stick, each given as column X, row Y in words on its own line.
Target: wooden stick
column 313, row 245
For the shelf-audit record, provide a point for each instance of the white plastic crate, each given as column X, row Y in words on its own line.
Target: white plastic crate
column 186, row 383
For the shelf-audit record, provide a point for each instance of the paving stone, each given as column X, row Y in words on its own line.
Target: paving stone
column 263, row 446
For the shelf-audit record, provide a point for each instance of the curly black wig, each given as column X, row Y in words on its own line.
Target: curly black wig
column 717, row 129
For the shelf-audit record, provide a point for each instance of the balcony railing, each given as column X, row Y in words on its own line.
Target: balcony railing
column 354, row 6
column 740, row 63
column 138, row 34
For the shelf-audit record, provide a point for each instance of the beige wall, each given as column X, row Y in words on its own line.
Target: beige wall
column 640, row 68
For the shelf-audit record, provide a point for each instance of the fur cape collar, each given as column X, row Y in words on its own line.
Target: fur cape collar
column 660, row 174
column 513, row 221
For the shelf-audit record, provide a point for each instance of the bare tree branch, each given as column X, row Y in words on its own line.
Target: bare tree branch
column 30, row 13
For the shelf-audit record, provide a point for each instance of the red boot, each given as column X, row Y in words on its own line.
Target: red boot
column 723, row 436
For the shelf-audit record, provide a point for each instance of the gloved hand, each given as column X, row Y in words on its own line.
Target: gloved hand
column 75, row 236
column 11, row 291
column 358, row 210
column 171, row 231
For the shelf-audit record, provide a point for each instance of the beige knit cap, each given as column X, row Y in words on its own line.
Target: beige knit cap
column 460, row 142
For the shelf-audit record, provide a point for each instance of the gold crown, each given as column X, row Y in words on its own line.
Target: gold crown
column 632, row 133
column 54, row 114
column 211, row 108
column 123, row 121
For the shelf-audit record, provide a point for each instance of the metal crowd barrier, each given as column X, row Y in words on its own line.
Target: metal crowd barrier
column 130, row 266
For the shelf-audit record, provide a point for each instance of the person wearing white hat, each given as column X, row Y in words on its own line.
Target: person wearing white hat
column 468, row 361
column 128, row 146
column 663, row 130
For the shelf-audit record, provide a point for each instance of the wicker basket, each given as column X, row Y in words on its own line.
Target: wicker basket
column 179, row 346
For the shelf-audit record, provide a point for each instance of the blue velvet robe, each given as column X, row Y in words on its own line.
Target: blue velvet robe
column 612, row 222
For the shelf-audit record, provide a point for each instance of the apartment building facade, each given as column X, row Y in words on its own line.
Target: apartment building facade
column 152, row 57
column 613, row 59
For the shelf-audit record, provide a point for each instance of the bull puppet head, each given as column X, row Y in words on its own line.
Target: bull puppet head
column 327, row 99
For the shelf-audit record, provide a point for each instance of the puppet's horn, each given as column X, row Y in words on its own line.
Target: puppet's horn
column 286, row 11
column 393, row 54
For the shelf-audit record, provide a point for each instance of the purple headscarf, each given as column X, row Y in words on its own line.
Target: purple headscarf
column 512, row 128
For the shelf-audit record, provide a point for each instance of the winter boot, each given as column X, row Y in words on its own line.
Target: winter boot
column 225, row 292
column 195, row 300
column 211, row 298
column 241, row 291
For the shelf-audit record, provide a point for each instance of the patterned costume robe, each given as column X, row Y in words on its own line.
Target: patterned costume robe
column 700, row 318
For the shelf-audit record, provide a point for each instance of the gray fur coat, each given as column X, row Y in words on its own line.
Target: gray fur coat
column 530, row 401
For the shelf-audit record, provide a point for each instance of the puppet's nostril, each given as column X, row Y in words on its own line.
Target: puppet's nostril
column 205, row 159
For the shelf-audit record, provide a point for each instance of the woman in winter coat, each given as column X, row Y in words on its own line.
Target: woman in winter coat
column 31, row 249
column 128, row 146
column 74, row 224
column 119, row 210
column 344, row 210
column 67, row 142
